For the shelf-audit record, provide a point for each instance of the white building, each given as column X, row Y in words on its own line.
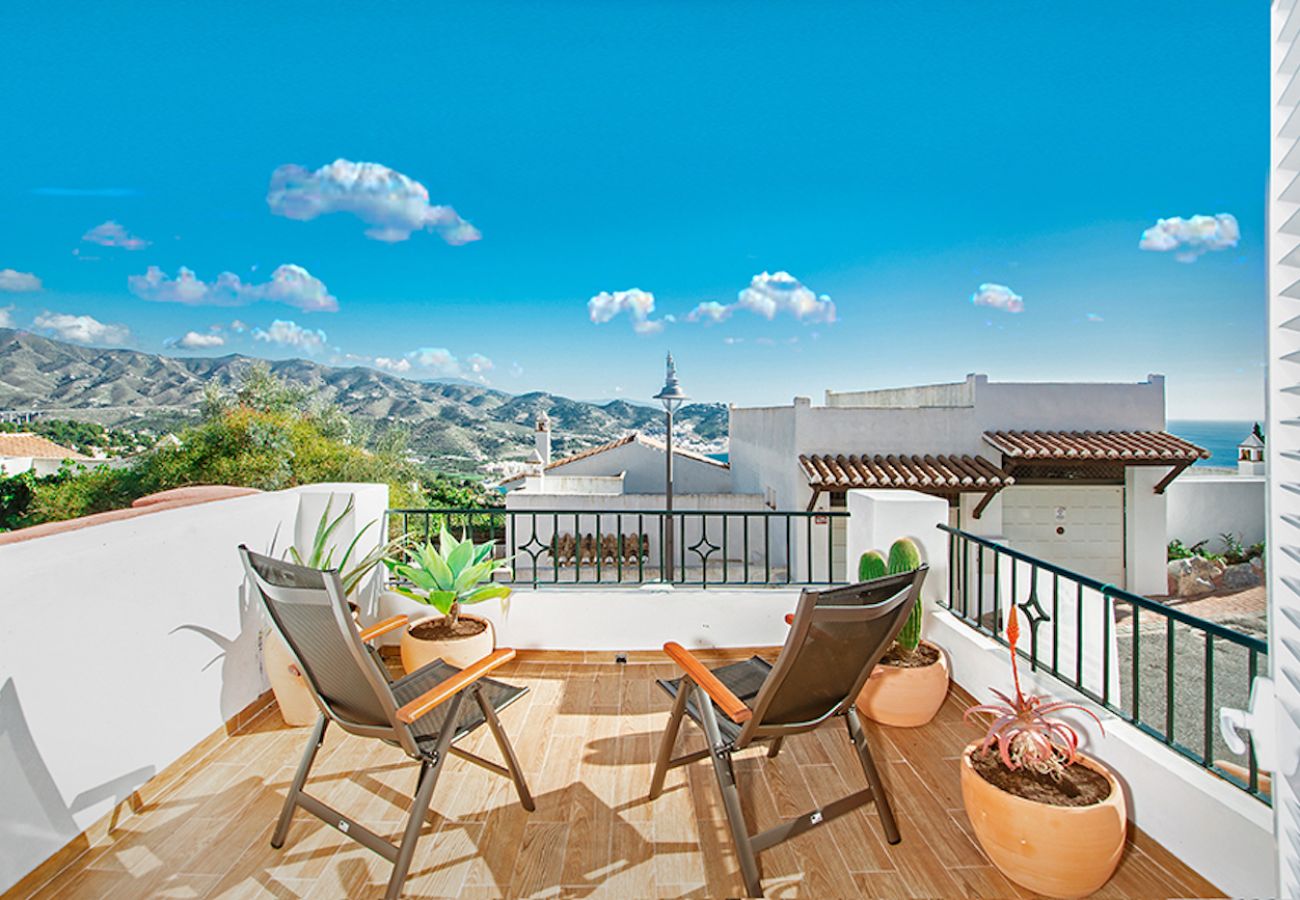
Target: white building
column 24, row 451
column 1072, row 473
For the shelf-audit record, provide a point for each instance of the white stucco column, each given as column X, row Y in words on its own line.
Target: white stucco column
column 878, row 518
column 1145, row 544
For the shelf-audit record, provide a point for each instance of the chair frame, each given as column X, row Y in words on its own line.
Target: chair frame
column 451, row 690
column 700, row 684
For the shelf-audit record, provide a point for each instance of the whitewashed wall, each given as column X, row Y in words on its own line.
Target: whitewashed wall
column 1204, row 507
column 123, row 645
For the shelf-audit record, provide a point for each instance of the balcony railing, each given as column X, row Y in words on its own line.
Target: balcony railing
column 1157, row 667
column 594, row 546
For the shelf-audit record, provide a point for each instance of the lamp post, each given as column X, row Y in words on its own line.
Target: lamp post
column 672, row 397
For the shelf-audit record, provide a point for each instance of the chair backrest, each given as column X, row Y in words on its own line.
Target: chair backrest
column 309, row 610
column 836, row 639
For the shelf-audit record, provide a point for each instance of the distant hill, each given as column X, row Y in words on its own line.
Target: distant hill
column 453, row 424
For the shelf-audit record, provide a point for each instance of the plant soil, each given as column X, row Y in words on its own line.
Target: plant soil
column 1077, row 786
column 442, row 630
column 924, row 655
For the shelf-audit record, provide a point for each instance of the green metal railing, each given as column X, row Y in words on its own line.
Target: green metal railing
column 594, row 546
column 1163, row 670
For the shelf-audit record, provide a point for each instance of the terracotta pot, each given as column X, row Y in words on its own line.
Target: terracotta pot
column 1059, row 851
column 458, row 652
column 905, row 698
column 291, row 692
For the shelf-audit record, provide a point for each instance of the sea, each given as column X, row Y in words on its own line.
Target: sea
column 1219, row 437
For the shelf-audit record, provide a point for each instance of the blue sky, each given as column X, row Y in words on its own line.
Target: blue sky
column 892, row 157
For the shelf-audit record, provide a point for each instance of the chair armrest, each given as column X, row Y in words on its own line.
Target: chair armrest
column 447, row 689
column 374, row 631
column 734, row 708
column 789, row 618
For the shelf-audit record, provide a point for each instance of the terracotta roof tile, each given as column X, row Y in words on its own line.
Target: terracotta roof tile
column 1134, row 446
column 27, row 444
column 934, row 472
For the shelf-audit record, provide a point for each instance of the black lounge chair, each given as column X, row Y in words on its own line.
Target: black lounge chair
column 836, row 638
column 423, row 712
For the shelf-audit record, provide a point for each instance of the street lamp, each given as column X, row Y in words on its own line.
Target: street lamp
column 672, row 397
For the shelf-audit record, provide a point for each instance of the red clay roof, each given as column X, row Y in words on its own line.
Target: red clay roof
column 1135, row 446
column 937, row 472
column 27, row 444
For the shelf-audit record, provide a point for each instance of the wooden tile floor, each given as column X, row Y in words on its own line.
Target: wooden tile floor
column 586, row 736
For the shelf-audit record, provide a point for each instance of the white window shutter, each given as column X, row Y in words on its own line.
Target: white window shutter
column 1283, row 436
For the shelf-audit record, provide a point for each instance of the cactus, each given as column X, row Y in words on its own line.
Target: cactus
column 905, row 557
column 871, row 565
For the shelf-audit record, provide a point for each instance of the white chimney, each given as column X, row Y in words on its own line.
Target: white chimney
column 543, row 439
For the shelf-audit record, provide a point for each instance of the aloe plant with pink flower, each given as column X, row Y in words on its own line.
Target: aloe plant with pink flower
column 1025, row 727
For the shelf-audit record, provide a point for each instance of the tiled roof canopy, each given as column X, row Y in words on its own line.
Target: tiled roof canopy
column 1127, row 446
column 24, row 444
column 827, row 472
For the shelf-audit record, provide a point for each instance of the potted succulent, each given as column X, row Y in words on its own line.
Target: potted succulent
column 290, row 689
column 454, row 574
column 910, row 682
column 1050, row 818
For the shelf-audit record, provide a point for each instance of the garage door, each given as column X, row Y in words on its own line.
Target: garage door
column 1089, row 519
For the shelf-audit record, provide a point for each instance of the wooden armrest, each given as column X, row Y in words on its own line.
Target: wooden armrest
column 374, row 631
column 445, row 690
column 789, row 618
column 729, row 703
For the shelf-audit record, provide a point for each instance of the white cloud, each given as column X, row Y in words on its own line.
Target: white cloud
column 733, row 340
column 478, row 363
column 780, row 292
column 238, row 327
column 711, row 312
column 194, row 340
column 290, row 334
column 638, row 305
column 1189, row 238
column 7, row 316
column 439, row 360
column 516, row 370
column 81, row 329
column 289, row 284
column 399, row 365
column 998, row 296
column 19, row 282
column 111, row 234
column 392, row 204
column 1093, row 317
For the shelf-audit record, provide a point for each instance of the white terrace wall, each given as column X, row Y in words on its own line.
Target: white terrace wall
column 1202, row 507
column 1211, row 825
column 125, row 644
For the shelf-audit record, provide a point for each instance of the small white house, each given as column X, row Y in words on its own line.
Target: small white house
column 1073, row 473
column 1250, row 455
column 24, row 451
column 634, row 460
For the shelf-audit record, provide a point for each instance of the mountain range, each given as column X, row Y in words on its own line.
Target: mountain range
column 455, row 425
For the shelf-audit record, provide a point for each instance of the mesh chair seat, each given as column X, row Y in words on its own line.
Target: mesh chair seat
column 428, row 727
column 742, row 678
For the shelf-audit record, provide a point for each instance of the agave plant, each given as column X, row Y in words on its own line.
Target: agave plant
column 322, row 553
column 456, row 573
column 1024, row 728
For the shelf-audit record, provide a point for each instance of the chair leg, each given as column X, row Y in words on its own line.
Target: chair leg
column 299, row 779
column 429, row 772
column 721, row 756
column 669, row 740
column 873, row 777
column 773, row 750
column 507, row 751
